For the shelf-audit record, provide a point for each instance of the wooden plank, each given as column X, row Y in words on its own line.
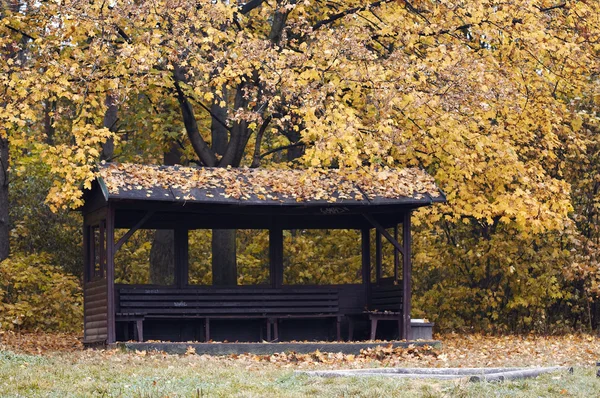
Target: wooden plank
column 96, row 286
column 94, row 297
column 96, row 310
column 387, row 300
column 387, row 288
column 95, row 324
column 224, row 298
column 217, row 304
column 98, row 303
column 100, row 331
column 237, row 290
column 397, row 294
column 95, row 283
column 96, row 317
column 241, row 311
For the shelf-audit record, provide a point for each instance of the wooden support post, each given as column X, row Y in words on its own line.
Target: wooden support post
column 181, row 258
column 406, row 277
column 366, row 256
column 86, row 254
column 276, row 256
column 110, row 273
column 396, row 256
column 366, row 271
column 378, row 257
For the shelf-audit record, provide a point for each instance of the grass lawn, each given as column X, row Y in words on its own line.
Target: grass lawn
column 73, row 372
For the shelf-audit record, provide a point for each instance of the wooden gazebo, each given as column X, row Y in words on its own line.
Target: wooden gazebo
column 133, row 197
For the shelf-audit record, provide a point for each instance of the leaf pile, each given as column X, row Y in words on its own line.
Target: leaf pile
column 474, row 350
column 312, row 184
column 384, row 354
column 39, row 343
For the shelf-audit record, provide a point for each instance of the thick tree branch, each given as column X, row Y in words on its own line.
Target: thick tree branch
column 256, row 157
column 282, row 148
column 279, row 20
column 251, row 5
column 349, row 11
column 20, row 32
column 200, row 146
column 236, row 133
column 554, row 7
column 124, row 35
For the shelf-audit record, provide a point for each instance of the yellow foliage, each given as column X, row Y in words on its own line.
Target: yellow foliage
column 37, row 296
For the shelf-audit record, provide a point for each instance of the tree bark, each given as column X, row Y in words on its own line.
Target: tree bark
column 219, row 132
column 224, row 256
column 4, row 227
column 110, row 122
column 162, row 258
column 224, row 262
column 162, row 254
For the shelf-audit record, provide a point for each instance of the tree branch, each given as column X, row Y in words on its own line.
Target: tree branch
column 20, row 32
column 200, row 146
column 282, row 148
column 251, row 5
column 349, row 11
column 554, row 7
column 256, row 158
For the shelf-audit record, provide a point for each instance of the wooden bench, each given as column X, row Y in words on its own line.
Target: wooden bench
column 302, row 303
column 385, row 304
column 138, row 304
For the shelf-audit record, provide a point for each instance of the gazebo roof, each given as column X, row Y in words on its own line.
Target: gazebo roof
column 275, row 187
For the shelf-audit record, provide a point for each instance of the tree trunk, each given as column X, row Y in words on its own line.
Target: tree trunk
column 162, row 258
column 224, row 264
column 162, row 254
column 110, row 122
column 224, row 261
column 4, row 228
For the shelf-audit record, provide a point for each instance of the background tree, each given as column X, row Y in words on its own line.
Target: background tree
column 497, row 100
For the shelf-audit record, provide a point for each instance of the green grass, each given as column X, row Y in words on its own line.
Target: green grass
column 118, row 374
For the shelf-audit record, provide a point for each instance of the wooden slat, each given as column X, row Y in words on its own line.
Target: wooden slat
column 386, row 294
column 96, row 310
column 96, row 304
column 198, row 311
column 281, row 297
column 95, row 324
column 226, row 291
column 394, row 288
column 235, row 304
column 96, row 332
column 95, row 283
column 96, row 317
column 95, row 296
column 91, row 292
